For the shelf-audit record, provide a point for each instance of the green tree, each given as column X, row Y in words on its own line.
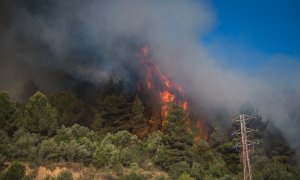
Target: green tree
column 4, row 152
column 137, row 120
column 177, row 140
column 231, row 156
column 7, row 109
column 40, row 116
column 97, row 123
column 70, row 109
column 116, row 112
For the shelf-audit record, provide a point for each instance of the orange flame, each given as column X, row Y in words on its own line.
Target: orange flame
column 168, row 91
column 167, row 97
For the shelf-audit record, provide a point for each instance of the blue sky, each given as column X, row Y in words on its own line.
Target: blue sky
column 248, row 34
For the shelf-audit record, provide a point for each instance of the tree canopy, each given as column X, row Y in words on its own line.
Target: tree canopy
column 39, row 115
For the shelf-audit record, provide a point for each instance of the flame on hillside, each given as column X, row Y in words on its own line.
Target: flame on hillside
column 155, row 81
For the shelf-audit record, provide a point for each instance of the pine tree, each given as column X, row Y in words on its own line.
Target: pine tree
column 39, row 115
column 177, row 140
column 7, row 108
column 70, row 109
column 137, row 120
column 116, row 112
column 176, row 129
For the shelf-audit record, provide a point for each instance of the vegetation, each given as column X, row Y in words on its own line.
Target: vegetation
column 39, row 115
column 42, row 132
column 65, row 175
column 16, row 171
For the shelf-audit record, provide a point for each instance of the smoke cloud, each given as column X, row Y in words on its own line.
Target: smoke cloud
column 51, row 44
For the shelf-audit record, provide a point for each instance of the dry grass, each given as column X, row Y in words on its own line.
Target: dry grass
column 80, row 171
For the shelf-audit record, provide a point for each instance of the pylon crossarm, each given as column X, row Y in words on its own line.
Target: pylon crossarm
column 236, row 132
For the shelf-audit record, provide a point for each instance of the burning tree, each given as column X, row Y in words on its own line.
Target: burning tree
column 155, row 82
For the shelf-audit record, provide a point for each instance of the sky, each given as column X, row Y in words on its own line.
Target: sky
column 248, row 32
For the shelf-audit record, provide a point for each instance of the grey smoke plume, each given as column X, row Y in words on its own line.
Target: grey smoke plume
column 50, row 42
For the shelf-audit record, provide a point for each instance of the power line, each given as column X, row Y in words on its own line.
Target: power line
column 244, row 133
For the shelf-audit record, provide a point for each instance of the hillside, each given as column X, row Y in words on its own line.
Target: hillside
column 61, row 133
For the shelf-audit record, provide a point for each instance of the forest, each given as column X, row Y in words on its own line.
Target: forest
column 109, row 138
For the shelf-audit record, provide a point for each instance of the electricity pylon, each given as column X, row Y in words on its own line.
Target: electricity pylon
column 244, row 133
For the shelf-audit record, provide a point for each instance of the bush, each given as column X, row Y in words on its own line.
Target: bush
column 73, row 152
column 177, row 169
column 134, row 176
column 124, row 139
column 107, row 155
column 185, row 176
column 197, row 171
column 129, row 155
column 24, row 146
column 153, row 142
column 65, row 175
column 119, row 170
column 160, row 178
column 48, row 150
column 16, row 171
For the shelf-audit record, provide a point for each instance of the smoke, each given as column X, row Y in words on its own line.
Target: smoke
column 51, row 44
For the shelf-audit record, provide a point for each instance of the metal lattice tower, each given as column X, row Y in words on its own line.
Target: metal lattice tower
column 244, row 133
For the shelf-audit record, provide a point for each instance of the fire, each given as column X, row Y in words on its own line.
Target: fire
column 167, row 97
column 184, row 105
column 156, row 81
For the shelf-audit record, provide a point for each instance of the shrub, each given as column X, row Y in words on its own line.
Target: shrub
column 48, row 150
column 185, row 176
column 65, row 175
column 64, row 134
column 153, row 142
column 134, row 176
column 177, row 169
column 24, row 146
column 134, row 166
column 16, row 171
column 119, row 170
column 124, row 139
column 107, row 155
column 197, row 171
column 160, row 178
column 129, row 155
column 73, row 152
